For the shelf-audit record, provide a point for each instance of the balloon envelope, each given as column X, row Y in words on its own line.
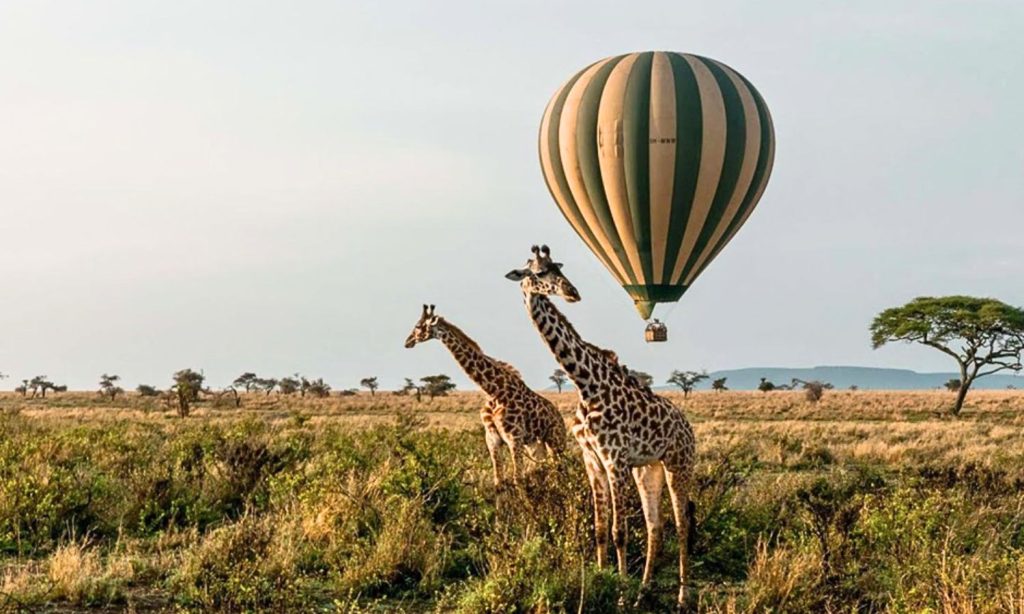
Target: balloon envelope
column 656, row 159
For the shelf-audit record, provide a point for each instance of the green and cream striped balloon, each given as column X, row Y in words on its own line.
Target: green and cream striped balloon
column 656, row 159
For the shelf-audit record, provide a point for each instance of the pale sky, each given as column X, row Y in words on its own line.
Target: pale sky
column 277, row 187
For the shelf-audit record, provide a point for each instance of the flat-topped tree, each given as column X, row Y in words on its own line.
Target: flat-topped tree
column 983, row 335
column 559, row 379
column 437, row 385
column 247, row 380
column 40, row 384
column 109, row 387
column 289, row 385
column 370, row 383
column 687, row 380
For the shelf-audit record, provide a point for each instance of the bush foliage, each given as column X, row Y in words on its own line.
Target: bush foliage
column 243, row 513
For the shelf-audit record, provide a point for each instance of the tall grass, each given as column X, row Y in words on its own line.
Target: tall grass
column 874, row 502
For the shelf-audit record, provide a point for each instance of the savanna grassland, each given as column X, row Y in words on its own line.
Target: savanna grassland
column 863, row 502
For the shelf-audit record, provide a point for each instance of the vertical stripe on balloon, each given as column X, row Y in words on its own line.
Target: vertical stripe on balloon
column 551, row 165
column 661, row 159
column 636, row 142
column 712, row 158
column 765, row 161
column 752, row 144
column 587, row 143
column 689, row 145
column 611, row 155
column 567, row 127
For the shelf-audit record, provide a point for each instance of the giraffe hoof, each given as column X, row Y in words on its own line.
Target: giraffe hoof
column 642, row 598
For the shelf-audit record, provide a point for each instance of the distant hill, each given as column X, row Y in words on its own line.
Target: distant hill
column 865, row 378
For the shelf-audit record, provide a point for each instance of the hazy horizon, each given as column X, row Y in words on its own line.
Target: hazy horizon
column 254, row 187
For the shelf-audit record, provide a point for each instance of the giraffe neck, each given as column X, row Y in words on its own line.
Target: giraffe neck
column 579, row 358
column 478, row 366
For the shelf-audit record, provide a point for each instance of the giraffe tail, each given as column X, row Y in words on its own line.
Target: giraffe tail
column 691, row 525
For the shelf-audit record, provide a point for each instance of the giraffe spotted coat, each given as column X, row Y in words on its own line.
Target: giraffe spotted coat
column 623, row 429
column 514, row 416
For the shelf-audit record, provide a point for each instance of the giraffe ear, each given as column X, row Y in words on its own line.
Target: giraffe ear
column 516, row 274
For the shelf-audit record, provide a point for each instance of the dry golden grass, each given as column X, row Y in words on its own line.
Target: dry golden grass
column 763, row 452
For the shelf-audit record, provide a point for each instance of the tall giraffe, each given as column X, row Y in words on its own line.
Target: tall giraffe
column 620, row 424
column 514, row 415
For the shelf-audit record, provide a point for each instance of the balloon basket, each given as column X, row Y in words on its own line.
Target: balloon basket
column 656, row 332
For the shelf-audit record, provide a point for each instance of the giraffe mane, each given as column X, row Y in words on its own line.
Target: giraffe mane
column 564, row 322
column 458, row 332
column 507, row 367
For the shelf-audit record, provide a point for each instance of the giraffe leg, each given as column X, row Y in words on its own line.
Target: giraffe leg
column 494, row 444
column 517, row 459
column 679, row 491
column 649, row 481
column 618, row 483
column 599, row 491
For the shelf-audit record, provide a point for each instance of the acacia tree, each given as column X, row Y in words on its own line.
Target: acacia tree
column 40, row 384
column 247, row 380
column 109, row 387
column 983, row 335
column 318, row 388
column 437, row 385
column 266, row 384
column 766, row 385
column 559, row 378
column 686, row 380
column 411, row 386
column 645, row 379
column 370, row 383
column 186, row 388
column 288, row 385
column 718, row 385
column 145, row 390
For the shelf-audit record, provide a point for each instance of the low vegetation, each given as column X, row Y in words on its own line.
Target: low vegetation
column 861, row 501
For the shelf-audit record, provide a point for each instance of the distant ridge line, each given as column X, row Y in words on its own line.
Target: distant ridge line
column 842, row 377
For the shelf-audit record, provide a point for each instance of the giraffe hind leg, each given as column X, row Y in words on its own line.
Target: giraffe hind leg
column 679, row 491
column 649, row 482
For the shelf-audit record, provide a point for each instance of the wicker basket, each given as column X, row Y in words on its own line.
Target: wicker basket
column 656, row 332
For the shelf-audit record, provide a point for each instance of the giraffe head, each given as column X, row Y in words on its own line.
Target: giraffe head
column 544, row 277
column 425, row 327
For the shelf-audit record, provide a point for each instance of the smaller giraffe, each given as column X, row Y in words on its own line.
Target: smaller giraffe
column 514, row 414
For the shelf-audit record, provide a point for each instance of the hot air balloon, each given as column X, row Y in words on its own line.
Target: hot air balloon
column 656, row 159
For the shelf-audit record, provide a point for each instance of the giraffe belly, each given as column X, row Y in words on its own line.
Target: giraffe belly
column 617, row 441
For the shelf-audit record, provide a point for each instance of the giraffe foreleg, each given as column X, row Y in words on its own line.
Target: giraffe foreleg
column 602, row 504
column 649, row 482
column 493, row 439
column 516, row 447
column 599, row 492
column 618, row 483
